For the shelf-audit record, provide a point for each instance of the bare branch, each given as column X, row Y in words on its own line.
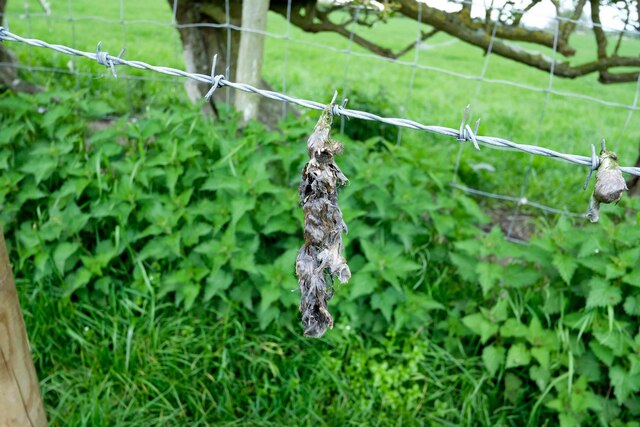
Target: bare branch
column 626, row 23
column 453, row 23
column 601, row 38
column 520, row 14
column 423, row 37
column 307, row 23
column 607, row 77
column 568, row 27
column 463, row 27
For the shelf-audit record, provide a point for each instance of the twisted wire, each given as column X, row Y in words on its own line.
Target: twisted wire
column 345, row 51
column 221, row 81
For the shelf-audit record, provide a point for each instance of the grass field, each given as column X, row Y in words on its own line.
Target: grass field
column 135, row 359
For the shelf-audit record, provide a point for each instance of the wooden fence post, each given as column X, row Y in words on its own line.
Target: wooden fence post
column 20, row 400
column 250, row 55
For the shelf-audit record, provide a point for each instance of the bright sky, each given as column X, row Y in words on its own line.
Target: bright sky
column 540, row 16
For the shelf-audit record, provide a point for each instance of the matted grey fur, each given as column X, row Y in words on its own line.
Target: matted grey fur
column 320, row 259
column 609, row 183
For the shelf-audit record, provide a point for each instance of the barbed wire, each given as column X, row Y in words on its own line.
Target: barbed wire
column 345, row 51
column 463, row 134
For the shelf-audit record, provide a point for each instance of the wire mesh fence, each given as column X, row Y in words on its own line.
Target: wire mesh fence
column 585, row 109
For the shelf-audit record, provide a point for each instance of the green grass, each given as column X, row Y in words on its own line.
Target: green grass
column 133, row 361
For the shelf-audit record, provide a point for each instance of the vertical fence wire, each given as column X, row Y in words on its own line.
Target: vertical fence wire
column 485, row 66
column 227, row 72
column 616, row 145
column 416, row 57
column 129, row 83
column 285, row 61
column 73, row 61
column 345, row 79
column 525, row 182
column 27, row 14
column 174, row 23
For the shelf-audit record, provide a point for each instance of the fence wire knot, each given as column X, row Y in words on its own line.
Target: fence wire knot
column 595, row 163
column 105, row 59
column 465, row 133
column 338, row 110
column 216, row 80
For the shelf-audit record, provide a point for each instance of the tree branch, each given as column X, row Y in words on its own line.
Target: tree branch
column 440, row 19
column 626, row 23
column 607, row 77
column 452, row 24
column 568, row 27
column 520, row 14
column 461, row 26
column 325, row 25
column 423, row 37
column 601, row 38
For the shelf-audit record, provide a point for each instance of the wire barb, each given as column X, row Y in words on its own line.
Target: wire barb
column 216, row 81
column 595, row 163
column 103, row 58
column 464, row 133
column 335, row 109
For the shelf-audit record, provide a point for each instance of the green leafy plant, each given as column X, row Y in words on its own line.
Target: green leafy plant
column 561, row 314
column 173, row 208
column 171, row 203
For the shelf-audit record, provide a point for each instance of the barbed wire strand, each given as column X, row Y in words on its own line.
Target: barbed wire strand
column 220, row 81
column 318, row 45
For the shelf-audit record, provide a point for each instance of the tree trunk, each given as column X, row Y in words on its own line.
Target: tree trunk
column 250, row 55
column 20, row 400
column 202, row 42
column 9, row 70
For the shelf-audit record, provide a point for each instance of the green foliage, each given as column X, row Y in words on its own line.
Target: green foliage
column 170, row 209
column 564, row 311
column 193, row 209
column 136, row 361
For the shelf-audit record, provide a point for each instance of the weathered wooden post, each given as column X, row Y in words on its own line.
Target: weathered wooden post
column 20, row 400
column 250, row 55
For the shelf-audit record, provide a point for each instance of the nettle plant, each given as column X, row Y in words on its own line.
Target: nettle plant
column 173, row 204
column 561, row 314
